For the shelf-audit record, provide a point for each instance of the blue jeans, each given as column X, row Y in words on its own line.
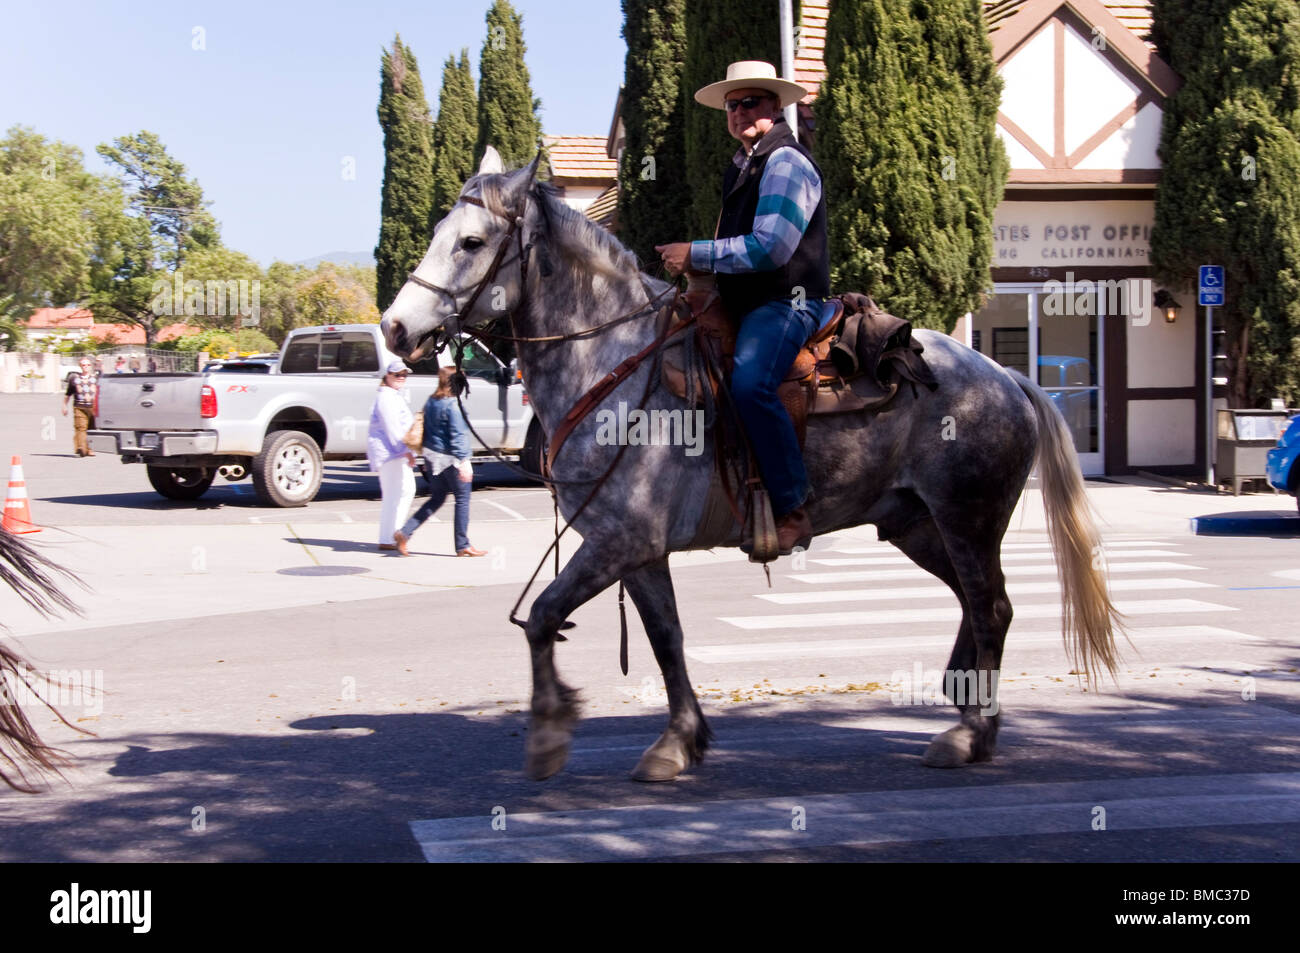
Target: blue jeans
column 448, row 481
column 769, row 338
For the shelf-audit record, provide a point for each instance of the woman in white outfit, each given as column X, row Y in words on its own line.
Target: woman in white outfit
column 390, row 420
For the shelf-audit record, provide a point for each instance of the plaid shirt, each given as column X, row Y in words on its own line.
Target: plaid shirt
column 788, row 195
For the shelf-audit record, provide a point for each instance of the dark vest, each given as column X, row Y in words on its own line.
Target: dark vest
column 809, row 268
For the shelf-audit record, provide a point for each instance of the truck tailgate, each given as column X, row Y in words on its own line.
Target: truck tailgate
column 150, row 402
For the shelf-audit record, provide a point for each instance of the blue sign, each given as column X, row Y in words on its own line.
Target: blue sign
column 1211, row 290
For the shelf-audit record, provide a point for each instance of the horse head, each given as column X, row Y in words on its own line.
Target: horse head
column 471, row 273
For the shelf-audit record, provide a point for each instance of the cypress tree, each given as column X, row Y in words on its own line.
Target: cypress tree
column 906, row 141
column 408, row 171
column 718, row 33
column 653, row 192
column 507, row 112
column 453, row 135
column 1229, row 189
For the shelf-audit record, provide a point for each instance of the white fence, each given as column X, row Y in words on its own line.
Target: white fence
column 36, row 372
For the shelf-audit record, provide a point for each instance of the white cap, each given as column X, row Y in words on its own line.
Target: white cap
column 397, row 367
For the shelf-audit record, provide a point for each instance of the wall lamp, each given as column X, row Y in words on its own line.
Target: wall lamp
column 1166, row 303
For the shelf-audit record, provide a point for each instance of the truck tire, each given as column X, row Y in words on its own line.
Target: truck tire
column 533, row 455
column 288, row 470
column 180, row 484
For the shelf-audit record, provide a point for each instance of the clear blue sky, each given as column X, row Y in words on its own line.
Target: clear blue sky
column 264, row 116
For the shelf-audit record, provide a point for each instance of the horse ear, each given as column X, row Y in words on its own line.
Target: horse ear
column 491, row 164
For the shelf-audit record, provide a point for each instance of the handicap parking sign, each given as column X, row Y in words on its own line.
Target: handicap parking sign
column 1211, row 286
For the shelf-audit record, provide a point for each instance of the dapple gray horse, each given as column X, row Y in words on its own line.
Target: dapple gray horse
column 938, row 473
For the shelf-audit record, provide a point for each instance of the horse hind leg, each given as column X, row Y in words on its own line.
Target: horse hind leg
column 687, row 736
column 974, row 738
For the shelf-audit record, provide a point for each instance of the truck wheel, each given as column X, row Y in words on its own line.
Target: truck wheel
column 180, row 484
column 288, row 470
column 534, row 452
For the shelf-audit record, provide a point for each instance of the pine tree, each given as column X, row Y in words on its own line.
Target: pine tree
column 1229, row 188
column 507, row 112
column 653, row 192
column 453, row 135
column 718, row 33
column 913, row 168
column 408, row 171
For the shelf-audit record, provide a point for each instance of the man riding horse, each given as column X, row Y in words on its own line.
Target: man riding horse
column 773, row 270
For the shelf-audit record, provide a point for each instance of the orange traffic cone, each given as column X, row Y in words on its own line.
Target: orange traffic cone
column 18, row 514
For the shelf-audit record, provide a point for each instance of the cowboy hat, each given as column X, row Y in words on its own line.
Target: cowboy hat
column 750, row 74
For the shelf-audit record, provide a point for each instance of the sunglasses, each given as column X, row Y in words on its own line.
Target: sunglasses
column 749, row 102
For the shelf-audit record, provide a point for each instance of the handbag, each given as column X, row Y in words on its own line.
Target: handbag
column 414, row 438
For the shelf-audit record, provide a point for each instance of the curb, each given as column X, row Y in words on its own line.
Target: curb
column 1247, row 524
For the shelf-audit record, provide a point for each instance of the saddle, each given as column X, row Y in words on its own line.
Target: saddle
column 854, row 361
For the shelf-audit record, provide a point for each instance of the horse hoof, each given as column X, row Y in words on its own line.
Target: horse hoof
column 661, row 762
column 955, row 748
column 546, row 753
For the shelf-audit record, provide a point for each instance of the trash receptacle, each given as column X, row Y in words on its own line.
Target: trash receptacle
column 1244, row 439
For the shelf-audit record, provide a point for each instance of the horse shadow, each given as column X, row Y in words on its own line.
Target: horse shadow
column 345, row 786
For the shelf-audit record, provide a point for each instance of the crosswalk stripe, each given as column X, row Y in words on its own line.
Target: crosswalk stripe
column 867, row 648
column 874, row 817
column 1006, row 557
column 883, row 575
column 812, row 620
column 1015, row 589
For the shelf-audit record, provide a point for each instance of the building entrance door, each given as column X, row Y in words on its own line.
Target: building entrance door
column 1059, row 345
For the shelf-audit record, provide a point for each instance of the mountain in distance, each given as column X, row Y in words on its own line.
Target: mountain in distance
column 340, row 258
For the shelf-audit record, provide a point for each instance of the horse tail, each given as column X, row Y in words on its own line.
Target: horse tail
column 34, row 578
column 1089, row 620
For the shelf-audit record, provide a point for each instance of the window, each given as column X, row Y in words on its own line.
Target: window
column 300, row 358
column 1011, row 348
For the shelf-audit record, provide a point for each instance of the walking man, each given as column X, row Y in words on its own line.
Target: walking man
column 83, row 391
column 773, row 268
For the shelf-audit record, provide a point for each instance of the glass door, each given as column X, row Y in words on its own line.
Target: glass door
column 1058, row 343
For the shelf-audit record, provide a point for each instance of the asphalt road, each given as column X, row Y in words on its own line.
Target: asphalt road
column 293, row 695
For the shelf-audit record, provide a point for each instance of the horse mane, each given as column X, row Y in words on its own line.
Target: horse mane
column 585, row 245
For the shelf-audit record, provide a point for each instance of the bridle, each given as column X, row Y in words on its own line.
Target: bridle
column 514, row 229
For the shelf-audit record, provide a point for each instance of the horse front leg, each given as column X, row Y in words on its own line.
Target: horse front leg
column 555, row 705
column 684, row 741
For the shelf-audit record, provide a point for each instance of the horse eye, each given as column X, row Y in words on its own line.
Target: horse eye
column 471, row 244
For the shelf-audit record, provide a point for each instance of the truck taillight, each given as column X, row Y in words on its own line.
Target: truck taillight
column 524, row 398
column 207, row 401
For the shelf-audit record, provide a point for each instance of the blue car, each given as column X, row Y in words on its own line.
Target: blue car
column 1282, row 470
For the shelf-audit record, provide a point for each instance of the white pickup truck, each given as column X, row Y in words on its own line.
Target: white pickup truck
column 279, row 426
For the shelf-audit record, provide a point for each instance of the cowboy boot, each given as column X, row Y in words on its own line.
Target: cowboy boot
column 793, row 529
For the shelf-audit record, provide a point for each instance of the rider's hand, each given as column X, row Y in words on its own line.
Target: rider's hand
column 676, row 257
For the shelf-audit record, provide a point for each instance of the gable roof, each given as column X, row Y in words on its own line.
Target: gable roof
column 1023, row 18
column 580, row 158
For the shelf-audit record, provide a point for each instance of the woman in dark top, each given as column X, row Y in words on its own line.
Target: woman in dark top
column 446, row 447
